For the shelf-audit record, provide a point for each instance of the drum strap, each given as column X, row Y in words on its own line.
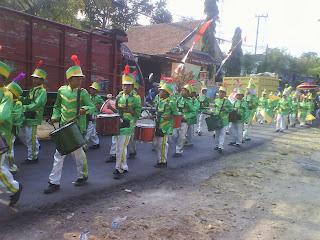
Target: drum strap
column 160, row 113
column 78, row 101
column 117, row 104
column 222, row 106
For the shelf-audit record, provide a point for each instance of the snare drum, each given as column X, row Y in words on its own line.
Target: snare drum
column 177, row 121
column 104, row 108
column 108, row 124
column 144, row 131
column 3, row 145
column 67, row 138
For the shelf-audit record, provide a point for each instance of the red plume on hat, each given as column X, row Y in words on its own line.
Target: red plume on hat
column 162, row 77
column 169, row 80
column 75, row 59
column 0, row 47
column 191, row 83
column 39, row 64
column 224, row 84
column 98, row 79
column 126, row 70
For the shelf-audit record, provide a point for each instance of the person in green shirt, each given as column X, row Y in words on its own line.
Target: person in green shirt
column 204, row 103
column 166, row 111
column 97, row 100
column 222, row 107
column 284, row 108
column 303, row 111
column 33, row 108
column 252, row 102
column 7, row 183
column 185, row 106
column 129, row 108
column 67, row 108
column 294, row 110
column 243, row 113
column 18, row 118
column 263, row 105
column 194, row 120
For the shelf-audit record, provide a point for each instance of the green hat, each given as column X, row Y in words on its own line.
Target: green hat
column 127, row 78
column 271, row 93
column 162, row 80
column 167, row 86
column 39, row 73
column 5, row 70
column 194, row 89
column 96, row 85
column 14, row 88
column 264, row 91
column 251, row 85
column 241, row 91
column 189, row 86
column 223, row 87
column 203, row 85
column 76, row 70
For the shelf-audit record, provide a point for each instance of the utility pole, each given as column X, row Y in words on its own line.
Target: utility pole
column 258, row 16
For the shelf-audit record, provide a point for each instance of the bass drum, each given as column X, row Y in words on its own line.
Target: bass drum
column 67, row 138
column 104, row 108
column 3, row 145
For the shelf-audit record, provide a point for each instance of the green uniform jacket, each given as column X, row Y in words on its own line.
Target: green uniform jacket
column 6, row 109
column 18, row 116
column 134, row 103
column 242, row 110
column 310, row 106
column 166, row 107
column 196, row 105
column 65, row 107
column 252, row 103
column 34, row 102
column 204, row 102
column 294, row 107
column 284, row 106
column 303, row 113
column 187, row 109
column 133, row 92
column 227, row 108
column 263, row 103
column 97, row 101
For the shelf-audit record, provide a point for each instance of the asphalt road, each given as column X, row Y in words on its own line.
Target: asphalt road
column 35, row 177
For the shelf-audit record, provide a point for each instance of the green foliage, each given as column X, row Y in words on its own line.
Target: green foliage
column 161, row 14
column 247, row 63
column 233, row 64
column 208, row 39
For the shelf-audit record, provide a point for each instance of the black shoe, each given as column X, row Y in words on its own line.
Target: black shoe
column 188, row 144
column 125, row 171
column 227, row 133
column 281, row 131
column 199, row 133
column 216, row 148
column 277, row 130
column 248, row 139
column 97, row 146
column 52, row 188
column 15, row 197
column 287, row 127
column 160, row 165
column 294, row 125
column 176, row 155
column 214, row 136
column 220, row 150
column 81, row 181
column 111, row 159
column 132, row 155
column 116, row 174
column 25, row 162
column 232, row 143
column 237, row 145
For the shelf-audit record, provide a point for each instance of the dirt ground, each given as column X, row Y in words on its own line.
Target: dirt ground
column 268, row 192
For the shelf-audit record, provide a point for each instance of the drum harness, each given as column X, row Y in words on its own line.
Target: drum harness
column 158, row 132
column 124, row 123
column 238, row 116
column 31, row 115
column 180, row 108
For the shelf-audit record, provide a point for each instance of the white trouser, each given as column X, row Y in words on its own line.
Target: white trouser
column 81, row 161
column 92, row 134
column 200, row 122
column 302, row 121
column 282, row 121
column 236, row 132
column 247, row 128
column 9, row 157
column 318, row 113
column 220, row 136
column 131, row 145
column 28, row 136
column 190, row 133
column 7, row 183
column 179, row 137
column 121, row 155
column 292, row 119
column 228, row 127
column 161, row 146
column 259, row 116
column 113, row 148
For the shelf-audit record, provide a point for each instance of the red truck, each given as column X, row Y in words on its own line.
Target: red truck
column 26, row 39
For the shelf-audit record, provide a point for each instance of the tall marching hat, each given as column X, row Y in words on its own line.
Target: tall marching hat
column 241, row 91
column 96, row 85
column 203, row 86
column 128, row 78
column 167, row 86
column 76, row 70
column 135, row 85
column 162, row 80
column 251, row 85
column 14, row 88
column 223, row 87
column 39, row 73
column 264, row 91
column 5, row 70
column 189, row 86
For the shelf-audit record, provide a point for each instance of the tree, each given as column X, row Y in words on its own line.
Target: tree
column 161, row 14
column 233, row 64
column 247, row 63
column 208, row 39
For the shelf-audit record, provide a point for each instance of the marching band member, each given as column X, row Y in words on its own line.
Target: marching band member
column 222, row 107
column 97, row 101
column 303, row 111
column 157, row 97
column 243, row 114
column 18, row 118
column 263, row 104
column 33, row 108
column 194, row 120
column 252, row 102
column 204, row 103
column 185, row 106
column 283, row 107
column 166, row 111
column 128, row 106
column 7, row 182
column 72, row 102
column 294, row 109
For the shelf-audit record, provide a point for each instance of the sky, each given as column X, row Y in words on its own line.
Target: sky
column 291, row 24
